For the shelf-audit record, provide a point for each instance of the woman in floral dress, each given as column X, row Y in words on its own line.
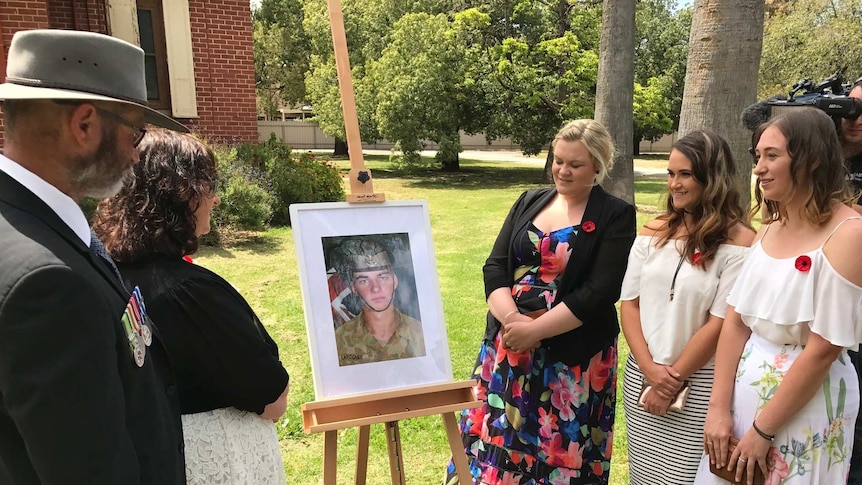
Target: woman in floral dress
column 784, row 385
column 546, row 370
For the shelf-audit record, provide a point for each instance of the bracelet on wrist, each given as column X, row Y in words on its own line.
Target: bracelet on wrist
column 506, row 317
column 767, row 437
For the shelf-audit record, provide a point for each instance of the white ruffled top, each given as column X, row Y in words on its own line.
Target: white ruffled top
column 667, row 324
column 783, row 304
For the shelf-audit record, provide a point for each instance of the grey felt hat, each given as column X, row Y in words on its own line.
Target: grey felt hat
column 74, row 65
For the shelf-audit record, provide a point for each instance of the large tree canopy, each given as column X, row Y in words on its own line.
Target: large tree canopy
column 425, row 70
column 281, row 55
column 809, row 39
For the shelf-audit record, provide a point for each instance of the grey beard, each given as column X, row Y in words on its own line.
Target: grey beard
column 93, row 182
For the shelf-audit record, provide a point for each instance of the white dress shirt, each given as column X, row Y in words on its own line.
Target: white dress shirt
column 63, row 205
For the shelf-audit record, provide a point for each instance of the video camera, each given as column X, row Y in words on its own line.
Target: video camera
column 830, row 96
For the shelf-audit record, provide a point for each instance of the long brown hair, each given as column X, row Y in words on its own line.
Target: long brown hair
column 719, row 207
column 814, row 149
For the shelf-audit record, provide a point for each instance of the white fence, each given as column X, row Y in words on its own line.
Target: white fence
column 307, row 135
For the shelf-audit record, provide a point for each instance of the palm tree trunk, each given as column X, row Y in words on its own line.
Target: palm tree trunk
column 721, row 76
column 615, row 91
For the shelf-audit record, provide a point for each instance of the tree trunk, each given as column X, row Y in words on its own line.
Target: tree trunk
column 451, row 164
column 547, row 177
column 615, row 92
column 636, row 146
column 340, row 148
column 721, row 75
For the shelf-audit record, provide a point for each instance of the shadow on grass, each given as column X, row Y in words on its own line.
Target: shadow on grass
column 228, row 240
column 473, row 174
column 651, row 186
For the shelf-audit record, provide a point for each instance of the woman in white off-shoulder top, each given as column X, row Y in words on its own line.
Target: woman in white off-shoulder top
column 680, row 270
column 783, row 383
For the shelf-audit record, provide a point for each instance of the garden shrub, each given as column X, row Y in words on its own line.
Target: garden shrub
column 246, row 201
column 293, row 177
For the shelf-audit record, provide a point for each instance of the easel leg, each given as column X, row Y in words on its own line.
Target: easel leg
column 455, row 444
column 362, row 454
column 330, row 457
column 396, row 464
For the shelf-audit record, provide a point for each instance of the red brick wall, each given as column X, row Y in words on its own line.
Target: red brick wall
column 221, row 42
column 224, row 70
column 17, row 15
column 88, row 15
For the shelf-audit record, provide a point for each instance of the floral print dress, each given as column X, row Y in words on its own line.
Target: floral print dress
column 783, row 300
column 542, row 422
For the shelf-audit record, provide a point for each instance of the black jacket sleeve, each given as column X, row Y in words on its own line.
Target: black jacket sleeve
column 59, row 381
column 217, row 343
column 497, row 270
column 601, row 287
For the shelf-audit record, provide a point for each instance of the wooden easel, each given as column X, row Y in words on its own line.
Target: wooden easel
column 361, row 185
column 389, row 407
column 328, row 416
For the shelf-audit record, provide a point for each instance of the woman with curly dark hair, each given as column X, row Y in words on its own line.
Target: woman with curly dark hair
column 232, row 386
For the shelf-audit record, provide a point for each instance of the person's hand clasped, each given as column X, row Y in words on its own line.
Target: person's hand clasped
column 751, row 452
column 655, row 403
column 664, row 379
column 518, row 334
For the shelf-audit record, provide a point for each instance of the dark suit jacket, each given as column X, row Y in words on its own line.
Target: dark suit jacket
column 592, row 280
column 74, row 406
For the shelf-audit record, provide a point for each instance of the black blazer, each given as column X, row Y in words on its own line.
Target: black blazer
column 591, row 283
column 74, row 406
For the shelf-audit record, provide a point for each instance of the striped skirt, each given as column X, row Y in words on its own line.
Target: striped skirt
column 665, row 450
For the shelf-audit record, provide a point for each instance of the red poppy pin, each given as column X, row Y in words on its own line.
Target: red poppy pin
column 588, row 226
column 803, row 263
column 695, row 259
column 188, row 259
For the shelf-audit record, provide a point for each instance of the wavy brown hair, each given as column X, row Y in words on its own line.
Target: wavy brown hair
column 154, row 213
column 814, row 150
column 719, row 207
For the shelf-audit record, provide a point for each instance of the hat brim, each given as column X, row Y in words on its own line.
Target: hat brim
column 151, row 116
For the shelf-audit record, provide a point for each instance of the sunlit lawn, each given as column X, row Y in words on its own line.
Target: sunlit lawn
column 466, row 209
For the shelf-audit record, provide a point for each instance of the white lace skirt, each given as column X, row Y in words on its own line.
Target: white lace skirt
column 231, row 447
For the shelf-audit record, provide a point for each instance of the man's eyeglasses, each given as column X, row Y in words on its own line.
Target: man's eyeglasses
column 139, row 132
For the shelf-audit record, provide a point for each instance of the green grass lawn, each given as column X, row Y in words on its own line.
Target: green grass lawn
column 466, row 209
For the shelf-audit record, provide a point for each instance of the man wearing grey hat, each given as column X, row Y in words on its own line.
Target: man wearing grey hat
column 380, row 331
column 86, row 391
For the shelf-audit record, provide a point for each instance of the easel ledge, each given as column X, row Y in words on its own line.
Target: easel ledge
column 387, row 406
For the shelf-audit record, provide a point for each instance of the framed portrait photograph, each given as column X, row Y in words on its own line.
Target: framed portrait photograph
column 373, row 311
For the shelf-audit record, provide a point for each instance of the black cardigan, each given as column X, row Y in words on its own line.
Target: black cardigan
column 222, row 354
column 590, row 285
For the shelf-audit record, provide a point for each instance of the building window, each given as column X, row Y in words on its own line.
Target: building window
column 151, row 28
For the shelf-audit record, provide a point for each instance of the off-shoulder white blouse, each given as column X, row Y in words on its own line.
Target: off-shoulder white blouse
column 699, row 292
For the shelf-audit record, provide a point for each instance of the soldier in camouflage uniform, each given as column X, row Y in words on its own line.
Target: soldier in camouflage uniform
column 380, row 331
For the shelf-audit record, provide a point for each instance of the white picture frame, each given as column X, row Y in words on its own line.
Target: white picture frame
column 321, row 233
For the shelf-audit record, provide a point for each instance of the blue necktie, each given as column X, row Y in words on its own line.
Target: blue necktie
column 98, row 248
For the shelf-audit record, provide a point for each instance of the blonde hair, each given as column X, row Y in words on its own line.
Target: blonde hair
column 596, row 138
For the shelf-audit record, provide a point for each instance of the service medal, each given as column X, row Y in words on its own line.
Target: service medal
column 146, row 334
column 140, row 353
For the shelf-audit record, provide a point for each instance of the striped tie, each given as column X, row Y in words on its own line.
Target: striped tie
column 98, row 248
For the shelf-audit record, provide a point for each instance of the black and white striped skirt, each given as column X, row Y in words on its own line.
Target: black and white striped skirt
column 665, row 450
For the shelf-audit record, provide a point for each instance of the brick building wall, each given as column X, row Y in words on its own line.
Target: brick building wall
column 224, row 70
column 18, row 15
column 221, row 42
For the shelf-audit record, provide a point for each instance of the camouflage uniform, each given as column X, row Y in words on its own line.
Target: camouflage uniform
column 356, row 345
